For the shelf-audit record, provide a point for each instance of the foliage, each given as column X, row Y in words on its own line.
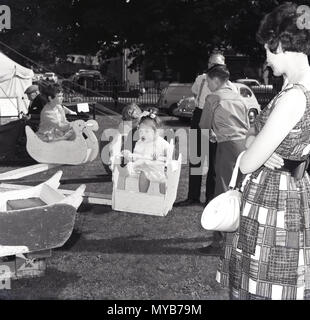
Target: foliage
column 179, row 34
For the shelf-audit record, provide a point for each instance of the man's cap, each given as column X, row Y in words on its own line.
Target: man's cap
column 32, row 88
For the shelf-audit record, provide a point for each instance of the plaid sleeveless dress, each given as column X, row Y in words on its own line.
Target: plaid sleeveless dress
column 268, row 257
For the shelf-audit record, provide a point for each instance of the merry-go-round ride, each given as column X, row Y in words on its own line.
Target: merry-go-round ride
column 35, row 220
column 127, row 197
column 84, row 148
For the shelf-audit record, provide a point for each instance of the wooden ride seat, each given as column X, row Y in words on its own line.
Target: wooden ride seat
column 84, row 148
column 131, row 183
column 39, row 196
column 24, row 204
column 126, row 196
column 37, row 218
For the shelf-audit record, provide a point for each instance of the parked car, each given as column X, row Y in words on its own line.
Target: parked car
column 264, row 93
column 89, row 72
column 254, row 83
column 171, row 95
column 83, row 70
column 86, row 74
column 186, row 106
column 90, row 79
column 37, row 77
column 50, row 76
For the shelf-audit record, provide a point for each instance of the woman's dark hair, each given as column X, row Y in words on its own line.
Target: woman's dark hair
column 283, row 25
column 219, row 71
column 151, row 118
column 50, row 90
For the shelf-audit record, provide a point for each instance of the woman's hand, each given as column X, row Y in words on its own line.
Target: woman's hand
column 274, row 162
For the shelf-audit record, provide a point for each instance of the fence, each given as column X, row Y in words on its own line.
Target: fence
column 115, row 92
column 265, row 94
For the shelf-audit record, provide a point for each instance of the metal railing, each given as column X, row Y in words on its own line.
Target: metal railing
column 144, row 94
column 116, row 92
column 264, row 94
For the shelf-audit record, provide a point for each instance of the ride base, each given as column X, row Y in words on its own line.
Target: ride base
column 32, row 265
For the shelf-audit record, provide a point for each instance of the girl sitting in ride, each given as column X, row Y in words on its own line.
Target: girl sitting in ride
column 53, row 123
column 150, row 154
column 125, row 138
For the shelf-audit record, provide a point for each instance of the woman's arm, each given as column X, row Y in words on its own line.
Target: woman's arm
column 250, row 137
column 275, row 161
column 287, row 112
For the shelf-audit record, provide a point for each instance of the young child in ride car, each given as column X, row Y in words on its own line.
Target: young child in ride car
column 150, row 154
column 125, row 138
column 53, row 123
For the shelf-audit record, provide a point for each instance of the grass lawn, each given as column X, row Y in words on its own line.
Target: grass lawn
column 118, row 255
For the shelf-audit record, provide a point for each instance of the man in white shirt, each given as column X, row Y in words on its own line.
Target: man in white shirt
column 201, row 91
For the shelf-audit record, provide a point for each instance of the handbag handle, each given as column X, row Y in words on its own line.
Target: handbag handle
column 235, row 174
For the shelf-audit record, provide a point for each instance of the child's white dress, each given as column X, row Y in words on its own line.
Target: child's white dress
column 151, row 159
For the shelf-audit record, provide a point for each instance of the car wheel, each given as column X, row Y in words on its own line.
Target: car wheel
column 172, row 108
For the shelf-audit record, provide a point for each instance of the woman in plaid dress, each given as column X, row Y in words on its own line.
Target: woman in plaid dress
column 269, row 255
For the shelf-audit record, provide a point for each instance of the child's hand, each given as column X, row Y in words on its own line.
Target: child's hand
column 127, row 154
column 130, row 168
column 139, row 162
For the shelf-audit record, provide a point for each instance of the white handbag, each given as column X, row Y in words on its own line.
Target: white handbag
column 223, row 212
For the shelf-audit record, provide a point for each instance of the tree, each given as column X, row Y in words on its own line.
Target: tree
column 40, row 30
column 168, row 34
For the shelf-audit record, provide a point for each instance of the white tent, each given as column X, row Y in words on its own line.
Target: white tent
column 14, row 80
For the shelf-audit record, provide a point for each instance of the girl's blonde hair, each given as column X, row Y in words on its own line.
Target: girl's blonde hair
column 131, row 112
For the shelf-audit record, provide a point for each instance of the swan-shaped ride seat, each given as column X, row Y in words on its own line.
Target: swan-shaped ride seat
column 84, row 148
